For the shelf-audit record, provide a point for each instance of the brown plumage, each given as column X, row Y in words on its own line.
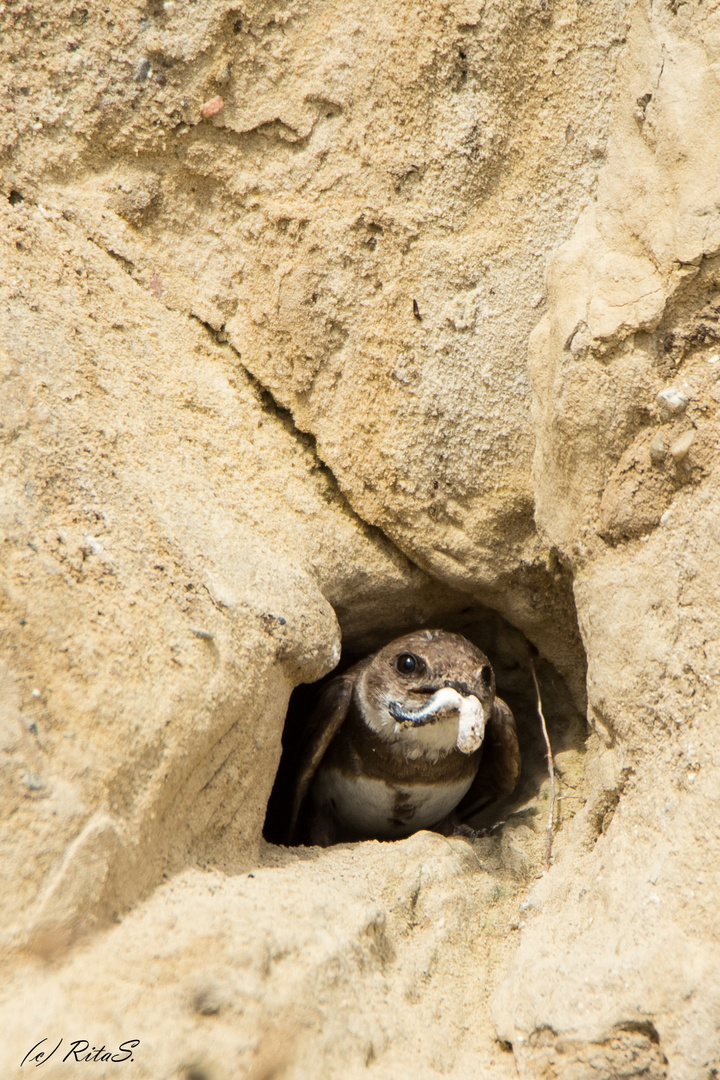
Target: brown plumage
column 387, row 750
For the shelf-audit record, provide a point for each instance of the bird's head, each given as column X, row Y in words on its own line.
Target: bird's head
column 430, row 691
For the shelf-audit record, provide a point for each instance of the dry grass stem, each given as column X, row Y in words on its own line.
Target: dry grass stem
column 550, row 765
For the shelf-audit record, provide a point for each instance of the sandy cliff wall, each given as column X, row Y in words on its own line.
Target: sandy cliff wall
column 376, row 344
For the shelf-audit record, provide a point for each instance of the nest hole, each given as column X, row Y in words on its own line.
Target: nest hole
column 508, row 650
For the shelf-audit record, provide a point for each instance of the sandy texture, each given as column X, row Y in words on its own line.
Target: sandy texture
column 362, row 160
column 362, row 957
column 627, row 489
column 171, row 553
column 320, row 322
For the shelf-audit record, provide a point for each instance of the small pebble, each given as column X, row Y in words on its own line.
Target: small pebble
column 671, row 402
column 681, row 446
column 142, row 71
column 212, row 107
column 204, row 634
column 658, row 449
column 713, row 359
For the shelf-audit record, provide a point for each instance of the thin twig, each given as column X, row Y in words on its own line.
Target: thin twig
column 550, row 764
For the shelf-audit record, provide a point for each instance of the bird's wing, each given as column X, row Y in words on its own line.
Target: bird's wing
column 323, row 725
column 500, row 762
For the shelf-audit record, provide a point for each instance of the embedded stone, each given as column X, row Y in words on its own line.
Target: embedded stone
column 680, row 447
column 658, row 449
column 671, row 402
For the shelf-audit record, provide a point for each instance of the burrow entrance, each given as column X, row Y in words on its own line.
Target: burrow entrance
column 508, row 651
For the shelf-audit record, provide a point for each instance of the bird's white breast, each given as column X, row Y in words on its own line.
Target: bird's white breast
column 371, row 807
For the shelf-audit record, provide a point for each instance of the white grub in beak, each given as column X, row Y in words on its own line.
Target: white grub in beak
column 471, row 727
column 471, row 722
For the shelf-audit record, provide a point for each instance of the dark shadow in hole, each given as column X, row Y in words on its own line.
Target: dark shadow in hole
column 507, row 649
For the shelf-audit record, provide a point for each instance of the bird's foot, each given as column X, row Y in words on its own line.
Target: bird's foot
column 450, row 826
column 466, row 831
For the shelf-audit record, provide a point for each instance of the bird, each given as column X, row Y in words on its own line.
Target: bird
column 397, row 741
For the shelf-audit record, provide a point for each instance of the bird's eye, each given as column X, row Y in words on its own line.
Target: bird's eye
column 406, row 663
column 486, row 674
